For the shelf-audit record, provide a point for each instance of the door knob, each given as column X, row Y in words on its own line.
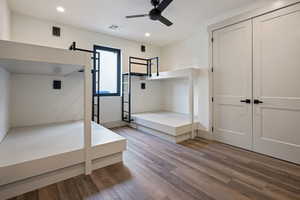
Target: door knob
column 257, row 101
column 248, row 101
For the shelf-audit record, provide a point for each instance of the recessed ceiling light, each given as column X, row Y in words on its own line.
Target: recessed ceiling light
column 147, row 34
column 278, row 4
column 60, row 9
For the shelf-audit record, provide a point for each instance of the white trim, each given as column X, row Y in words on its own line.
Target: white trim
column 87, row 116
column 210, row 82
column 253, row 14
column 205, row 134
column 191, row 104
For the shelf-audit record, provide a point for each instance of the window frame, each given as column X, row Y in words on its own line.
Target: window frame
column 114, row 50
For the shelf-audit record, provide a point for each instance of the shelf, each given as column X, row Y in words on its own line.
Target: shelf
column 38, row 68
column 32, row 59
column 179, row 73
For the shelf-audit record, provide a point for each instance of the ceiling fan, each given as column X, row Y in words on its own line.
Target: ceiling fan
column 155, row 13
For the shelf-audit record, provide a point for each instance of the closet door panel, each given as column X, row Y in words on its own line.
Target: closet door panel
column 277, row 84
column 232, row 63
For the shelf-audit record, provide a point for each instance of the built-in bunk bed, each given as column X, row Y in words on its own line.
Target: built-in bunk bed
column 48, row 140
column 172, row 126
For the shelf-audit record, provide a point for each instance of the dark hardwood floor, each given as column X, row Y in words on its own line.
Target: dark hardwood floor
column 195, row 169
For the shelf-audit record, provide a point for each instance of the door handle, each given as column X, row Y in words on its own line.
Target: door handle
column 248, row 101
column 257, row 101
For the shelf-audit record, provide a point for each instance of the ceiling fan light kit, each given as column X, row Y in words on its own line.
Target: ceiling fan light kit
column 156, row 13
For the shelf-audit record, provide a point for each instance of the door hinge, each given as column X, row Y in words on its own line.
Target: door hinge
column 212, row 39
column 212, row 69
column 212, row 129
column 212, row 99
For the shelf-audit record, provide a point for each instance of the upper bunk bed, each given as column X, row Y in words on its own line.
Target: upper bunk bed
column 33, row 59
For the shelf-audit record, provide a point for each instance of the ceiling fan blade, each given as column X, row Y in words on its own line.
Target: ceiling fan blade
column 164, row 4
column 165, row 21
column 136, row 16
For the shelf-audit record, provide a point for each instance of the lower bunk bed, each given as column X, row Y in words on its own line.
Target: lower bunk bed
column 33, row 157
column 174, row 127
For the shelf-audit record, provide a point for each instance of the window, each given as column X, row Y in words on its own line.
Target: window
column 110, row 71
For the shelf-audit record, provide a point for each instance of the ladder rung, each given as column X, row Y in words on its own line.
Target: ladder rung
column 138, row 63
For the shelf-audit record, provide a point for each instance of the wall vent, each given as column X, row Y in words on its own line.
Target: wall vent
column 56, row 31
column 57, row 84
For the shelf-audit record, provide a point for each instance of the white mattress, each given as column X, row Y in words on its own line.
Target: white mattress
column 169, row 122
column 35, row 142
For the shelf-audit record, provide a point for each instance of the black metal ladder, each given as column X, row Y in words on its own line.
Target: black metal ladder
column 127, row 82
column 96, row 81
column 96, row 88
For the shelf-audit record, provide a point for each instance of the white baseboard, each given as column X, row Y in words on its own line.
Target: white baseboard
column 205, row 134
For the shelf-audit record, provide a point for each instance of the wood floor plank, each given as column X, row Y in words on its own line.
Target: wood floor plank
column 154, row 169
column 49, row 193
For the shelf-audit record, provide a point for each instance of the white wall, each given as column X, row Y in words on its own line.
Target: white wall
column 4, row 20
column 35, row 31
column 193, row 51
column 4, row 102
column 35, row 102
column 149, row 99
column 190, row 52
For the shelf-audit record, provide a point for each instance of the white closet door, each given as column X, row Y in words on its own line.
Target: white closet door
column 232, row 63
column 277, row 84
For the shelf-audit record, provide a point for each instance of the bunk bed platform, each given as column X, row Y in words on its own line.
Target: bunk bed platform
column 36, row 156
column 174, row 127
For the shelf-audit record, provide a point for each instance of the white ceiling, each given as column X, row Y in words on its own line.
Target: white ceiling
column 98, row 15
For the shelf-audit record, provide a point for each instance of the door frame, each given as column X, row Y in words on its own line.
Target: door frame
column 272, row 7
